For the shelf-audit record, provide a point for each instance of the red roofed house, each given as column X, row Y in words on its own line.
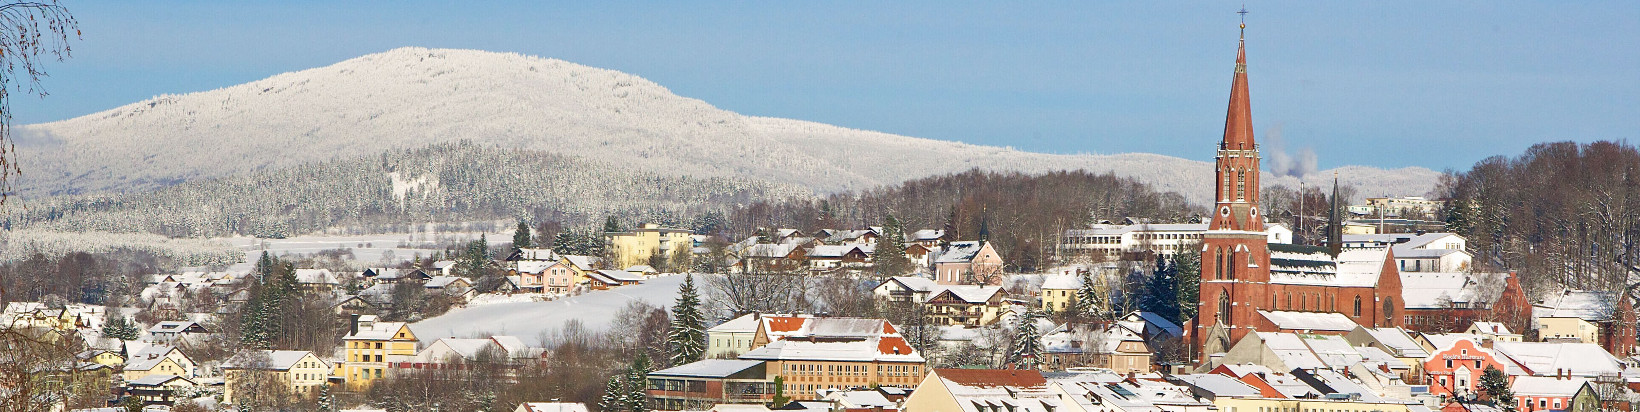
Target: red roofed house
column 834, row 353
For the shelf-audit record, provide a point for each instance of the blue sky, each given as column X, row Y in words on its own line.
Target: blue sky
column 1387, row 84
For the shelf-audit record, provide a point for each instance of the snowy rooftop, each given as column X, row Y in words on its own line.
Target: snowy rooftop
column 315, row 277
column 1154, row 323
column 916, row 283
column 1544, row 358
column 832, row 251
column 885, row 349
column 156, row 380
column 1309, row 321
column 552, row 407
column 1220, row 385
column 1435, row 289
column 973, row 294
column 1546, row 386
column 1113, row 230
column 710, row 368
column 1061, row 282
column 1333, row 350
column 1583, row 304
column 277, row 359
column 960, row 252
column 1291, row 350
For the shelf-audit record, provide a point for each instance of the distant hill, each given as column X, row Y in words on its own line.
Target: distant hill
column 389, row 192
column 410, row 98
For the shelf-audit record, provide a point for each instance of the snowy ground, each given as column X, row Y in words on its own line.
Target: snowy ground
column 368, row 250
column 527, row 320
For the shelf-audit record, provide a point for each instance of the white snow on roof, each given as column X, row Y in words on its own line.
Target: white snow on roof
column 709, row 368
column 1544, row 358
column 1310, row 321
column 1430, row 290
column 916, row 283
column 1061, row 282
column 1399, row 342
column 855, row 350
column 583, row 263
column 553, row 407
column 315, row 277
column 1588, row 305
column 973, row 294
column 960, row 252
column 1220, row 385
column 534, row 266
column 1334, row 351
column 595, row 309
column 1546, row 386
column 1291, row 350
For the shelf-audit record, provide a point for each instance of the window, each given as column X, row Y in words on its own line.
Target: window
column 1224, row 307
column 1241, row 185
column 1218, row 266
column 1448, row 366
column 1358, row 306
column 1477, row 364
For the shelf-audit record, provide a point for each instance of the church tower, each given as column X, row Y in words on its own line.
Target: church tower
column 1235, row 261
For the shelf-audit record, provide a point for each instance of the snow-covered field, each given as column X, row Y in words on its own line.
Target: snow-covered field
column 368, row 250
column 527, row 320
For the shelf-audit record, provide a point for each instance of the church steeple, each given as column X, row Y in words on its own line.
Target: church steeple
column 1238, row 123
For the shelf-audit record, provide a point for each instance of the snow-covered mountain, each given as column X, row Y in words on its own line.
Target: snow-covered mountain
column 413, row 97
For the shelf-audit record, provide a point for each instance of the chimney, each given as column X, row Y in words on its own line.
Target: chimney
column 353, row 327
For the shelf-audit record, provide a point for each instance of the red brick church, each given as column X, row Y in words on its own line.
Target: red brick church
column 1249, row 285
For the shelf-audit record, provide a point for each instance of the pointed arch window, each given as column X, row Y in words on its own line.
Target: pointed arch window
column 1224, row 189
column 1218, row 265
column 1241, row 184
column 1358, row 306
column 1224, row 307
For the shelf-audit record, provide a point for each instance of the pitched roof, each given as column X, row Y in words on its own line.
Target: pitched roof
column 972, row 294
column 1311, row 321
column 1545, row 358
column 1061, row 282
column 880, row 349
column 960, row 252
column 1398, row 341
column 1432, row 290
column 989, row 378
column 315, row 277
column 1546, row 386
column 157, row 380
column 1590, row 305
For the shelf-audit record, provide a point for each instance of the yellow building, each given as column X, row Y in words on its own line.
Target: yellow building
column 102, row 357
column 296, row 372
column 1059, row 292
column 368, row 344
column 636, row 247
column 158, row 360
column 1568, row 328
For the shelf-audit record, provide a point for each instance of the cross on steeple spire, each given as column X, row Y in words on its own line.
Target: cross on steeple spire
column 1243, row 14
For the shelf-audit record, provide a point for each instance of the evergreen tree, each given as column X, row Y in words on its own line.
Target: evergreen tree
column 614, row 398
column 889, row 257
column 610, row 225
column 1187, row 271
column 121, row 328
column 476, row 257
column 687, row 339
column 637, row 384
column 1093, row 298
column 1026, row 350
column 326, row 402
column 1161, row 296
column 522, row 236
column 780, row 398
column 1495, row 385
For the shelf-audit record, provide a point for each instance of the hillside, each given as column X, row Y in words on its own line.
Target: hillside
column 440, row 183
column 413, row 97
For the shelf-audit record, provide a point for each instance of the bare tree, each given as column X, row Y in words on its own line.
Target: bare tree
column 735, row 294
column 24, row 46
column 38, row 371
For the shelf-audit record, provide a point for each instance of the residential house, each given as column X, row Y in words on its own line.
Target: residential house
column 170, row 331
column 581, row 266
column 834, row 353
column 349, row 305
column 969, row 262
column 1397, row 343
column 985, row 390
column 1577, row 359
column 317, row 280
column 101, row 357
column 1418, row 252
column 367, row 345
column 448, row 285
column 1493, row 330
column 1109, row 346
column 734, row 337
column 147, row 360
column 1058, row 293
column 969, row 305
column 637, row 246
column 697, row 385
column 905, row 288
column 158, row 389
column 509, row 352
column 1103, row 394
column 300, row 372
column 822, row 258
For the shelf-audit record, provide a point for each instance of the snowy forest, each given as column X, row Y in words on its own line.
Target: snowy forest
column 389, row 192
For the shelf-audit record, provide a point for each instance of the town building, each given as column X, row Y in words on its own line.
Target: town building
column 811, row 354
column 698, row 385
column 1605, row 318
column 649, row 240
column 1455, row 370
column 1111, row 242
column 984, row 390
column 297, row 372
column 1419, row 252
column 1112, row 346
column 158, row 389
column 968, row 262
column 1451, row 301
column 367, row 345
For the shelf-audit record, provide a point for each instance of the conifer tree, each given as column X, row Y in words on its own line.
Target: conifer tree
column 610, row 225
column 637, row 384
column 1088, row 300
column 1161, row 294
column 1187, row 271
column 522, row 236
column 780, row 398
column 121, row 328
column 1026, row 350
column 687, row 339
column 1495, row 385
column 614, row 398
column 889, row 258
